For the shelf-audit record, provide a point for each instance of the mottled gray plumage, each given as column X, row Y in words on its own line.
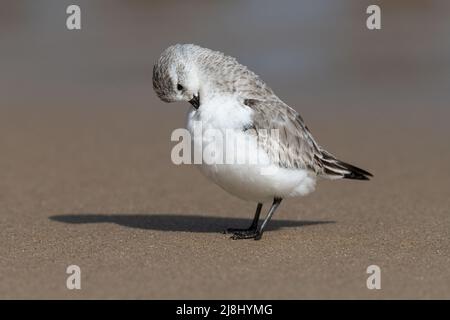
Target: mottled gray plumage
column 295, row 147
column 225, row 72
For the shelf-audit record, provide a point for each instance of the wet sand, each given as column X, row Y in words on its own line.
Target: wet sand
column 86, row 176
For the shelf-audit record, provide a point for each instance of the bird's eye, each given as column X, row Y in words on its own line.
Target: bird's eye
column 180, row 87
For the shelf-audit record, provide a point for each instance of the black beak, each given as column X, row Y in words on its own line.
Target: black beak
column 195, row 101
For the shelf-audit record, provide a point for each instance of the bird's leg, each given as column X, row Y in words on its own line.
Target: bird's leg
column 252, row 227
column 273, row 208
column 257, row 234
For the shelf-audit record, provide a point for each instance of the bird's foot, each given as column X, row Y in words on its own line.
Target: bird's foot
column 234, row 230
column 245, row 234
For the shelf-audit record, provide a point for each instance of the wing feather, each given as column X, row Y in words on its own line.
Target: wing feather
column 283, row 134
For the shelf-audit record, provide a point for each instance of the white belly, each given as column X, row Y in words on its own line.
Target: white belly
column 248, row 183
column 236, row 163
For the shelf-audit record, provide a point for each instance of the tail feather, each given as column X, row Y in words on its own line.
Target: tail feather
column 334, row 168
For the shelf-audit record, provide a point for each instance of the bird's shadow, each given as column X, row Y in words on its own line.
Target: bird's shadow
column 176, row 222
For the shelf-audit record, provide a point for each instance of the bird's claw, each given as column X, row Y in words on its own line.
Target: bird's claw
column 246, row 234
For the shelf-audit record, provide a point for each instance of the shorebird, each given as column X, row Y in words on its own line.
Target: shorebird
column 227, row 96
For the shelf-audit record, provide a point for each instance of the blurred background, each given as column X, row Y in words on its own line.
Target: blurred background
column 86, row 176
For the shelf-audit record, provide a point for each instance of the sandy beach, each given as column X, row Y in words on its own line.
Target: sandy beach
column 86, row 176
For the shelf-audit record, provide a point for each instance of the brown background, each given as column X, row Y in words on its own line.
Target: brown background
column 86, row 176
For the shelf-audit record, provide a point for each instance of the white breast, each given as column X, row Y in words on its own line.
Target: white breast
column 236, row 163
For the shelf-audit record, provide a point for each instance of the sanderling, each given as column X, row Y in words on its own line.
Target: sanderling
column 226, row 95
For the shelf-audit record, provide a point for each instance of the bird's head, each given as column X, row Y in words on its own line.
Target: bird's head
column 175, row 75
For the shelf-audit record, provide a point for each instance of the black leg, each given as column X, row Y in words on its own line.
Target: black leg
column 275, row 204
column 255, row 233
column 252, row 227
